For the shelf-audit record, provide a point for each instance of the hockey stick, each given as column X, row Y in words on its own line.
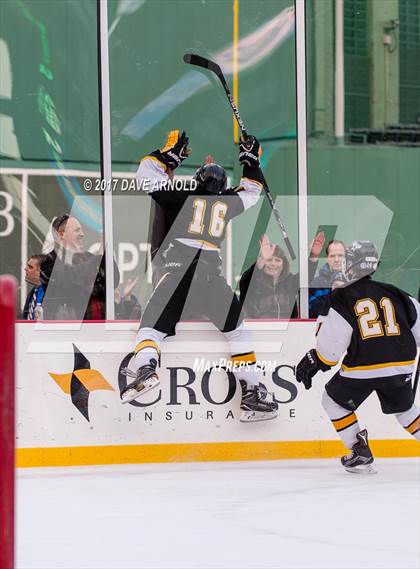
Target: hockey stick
column 417, row 374
column 416, row 378
column 200, row 61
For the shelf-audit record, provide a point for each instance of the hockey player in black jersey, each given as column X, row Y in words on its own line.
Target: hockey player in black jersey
column 192, row 267
column 378, row 325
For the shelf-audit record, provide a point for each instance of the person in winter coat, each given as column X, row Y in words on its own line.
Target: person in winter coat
column 321, row 286
column 36, row 294
column 74, row 279
column 268, row 289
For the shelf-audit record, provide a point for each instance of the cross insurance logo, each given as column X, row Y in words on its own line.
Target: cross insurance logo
column 80, row 382
column 199, row 395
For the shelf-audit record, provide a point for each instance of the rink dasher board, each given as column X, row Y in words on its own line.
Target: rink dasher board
column 69, row 409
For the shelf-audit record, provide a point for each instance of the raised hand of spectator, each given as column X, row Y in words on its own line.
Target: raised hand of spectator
column 266, row 251
column 129, row 287
column 209, row 159
column 317, row 245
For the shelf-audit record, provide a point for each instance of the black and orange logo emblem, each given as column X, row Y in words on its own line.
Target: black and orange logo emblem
column 80, row 382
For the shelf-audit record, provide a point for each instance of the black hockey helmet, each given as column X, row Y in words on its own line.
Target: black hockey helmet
column 211, row 178
column 361, row 260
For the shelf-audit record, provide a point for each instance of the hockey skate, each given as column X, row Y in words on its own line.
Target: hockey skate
column 257, row 403
column 360, row 460
column 146, row 379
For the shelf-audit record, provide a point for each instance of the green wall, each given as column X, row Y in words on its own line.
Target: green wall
column 388, row 173
column 51, row 48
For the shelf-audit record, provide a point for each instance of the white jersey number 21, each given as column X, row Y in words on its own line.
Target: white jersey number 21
column 370, row 326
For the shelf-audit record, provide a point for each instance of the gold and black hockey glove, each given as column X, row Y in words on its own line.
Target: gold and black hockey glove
column 308, row 367
column 250, row 152
column 175, row 150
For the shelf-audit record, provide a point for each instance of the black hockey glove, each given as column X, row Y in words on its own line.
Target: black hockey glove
column 175, row 150
column 308, row 367
column 250, row 152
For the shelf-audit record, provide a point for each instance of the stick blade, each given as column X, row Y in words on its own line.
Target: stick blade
column 188, row 57
column 200, row 61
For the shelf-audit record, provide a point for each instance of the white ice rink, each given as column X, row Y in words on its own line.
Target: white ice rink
column 275, row 514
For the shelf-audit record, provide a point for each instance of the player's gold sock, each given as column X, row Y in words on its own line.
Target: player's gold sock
column 344, row 421
column 147, row 346
column 243, row 356
column 410, row 420
column 347, row 427
column 145, row 351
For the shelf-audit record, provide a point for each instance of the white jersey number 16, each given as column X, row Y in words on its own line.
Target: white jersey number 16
column 217, row 219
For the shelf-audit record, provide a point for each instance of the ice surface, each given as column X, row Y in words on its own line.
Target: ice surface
column 302, row 513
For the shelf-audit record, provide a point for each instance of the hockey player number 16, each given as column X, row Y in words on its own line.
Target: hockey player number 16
column 217, row 219
column 370, row 326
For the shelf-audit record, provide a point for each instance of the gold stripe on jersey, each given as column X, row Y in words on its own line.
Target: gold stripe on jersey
column 248, row 358
column 344, row 422
column 414, row 426
column 189, row 240
column 156, row 160
column 253, row 181
column 378, row 366
column 325, row 361
column 146, row 344
column 212, row 245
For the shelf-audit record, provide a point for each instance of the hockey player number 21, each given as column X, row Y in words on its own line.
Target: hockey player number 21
column 370, row 326
column 217, row 219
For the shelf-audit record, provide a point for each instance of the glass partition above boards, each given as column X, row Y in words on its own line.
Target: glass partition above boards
column 49, row 147
column 364, row 135
column 154, row 91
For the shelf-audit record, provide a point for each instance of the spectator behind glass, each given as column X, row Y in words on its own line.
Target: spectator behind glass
column 268, row 289
column 321, row 285
column 74, row 279
column 338, row 280
column 36, row 294
column 127, row 306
